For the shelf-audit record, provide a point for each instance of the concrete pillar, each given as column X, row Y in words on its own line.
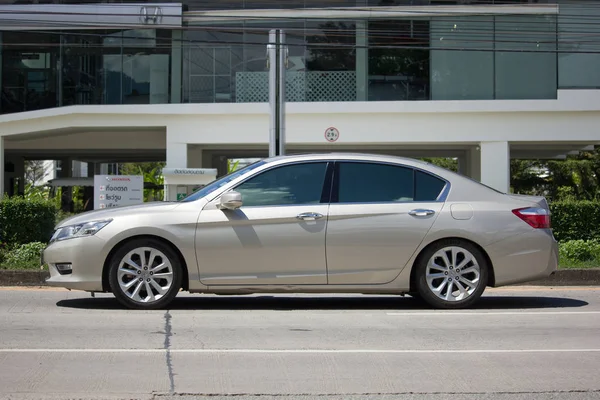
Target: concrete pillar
column 473, row 163
column 362, row 61
column 176, row 155
column 194, row 156
column 495, row 165
column 2, row 183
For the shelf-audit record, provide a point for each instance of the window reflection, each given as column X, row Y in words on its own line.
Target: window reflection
column 211, row 58
column 45, row 70
column 229, row 63
column 286, row 185
column 398, row 60
column 29, row 79
column 137, row 68
column 375, row 183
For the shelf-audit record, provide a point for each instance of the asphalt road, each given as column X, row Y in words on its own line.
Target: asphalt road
column 520, row 343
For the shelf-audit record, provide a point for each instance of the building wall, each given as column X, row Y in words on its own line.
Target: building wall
column 495, row 81
column 407, row 58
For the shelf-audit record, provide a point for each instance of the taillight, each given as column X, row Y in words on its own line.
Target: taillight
column 538, row 218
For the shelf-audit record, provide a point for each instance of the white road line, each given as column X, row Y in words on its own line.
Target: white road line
column 450, row 313
column 304, row 351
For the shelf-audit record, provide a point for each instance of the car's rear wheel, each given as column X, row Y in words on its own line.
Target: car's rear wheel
column 451, row 274
column 145, row 274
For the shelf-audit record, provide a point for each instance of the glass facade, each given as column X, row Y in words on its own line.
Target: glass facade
column 579, row 49
column 41, row 70
column 397, row 59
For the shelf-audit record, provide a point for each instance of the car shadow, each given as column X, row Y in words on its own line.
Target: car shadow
column 282, row 303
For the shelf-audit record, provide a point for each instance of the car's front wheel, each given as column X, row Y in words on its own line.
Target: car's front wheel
column 145, row 274
column 451, row 274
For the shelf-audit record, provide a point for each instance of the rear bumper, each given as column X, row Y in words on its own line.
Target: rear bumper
column 524, row 258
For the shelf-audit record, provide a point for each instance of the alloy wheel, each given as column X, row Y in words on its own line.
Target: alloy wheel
column 145, row 275
column 453, row 274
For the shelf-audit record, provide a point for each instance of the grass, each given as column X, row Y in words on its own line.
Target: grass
column 578, row 264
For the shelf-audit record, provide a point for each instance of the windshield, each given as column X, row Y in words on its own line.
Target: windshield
column 214, row 185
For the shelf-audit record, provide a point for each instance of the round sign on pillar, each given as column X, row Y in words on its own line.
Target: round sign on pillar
column 332, row 134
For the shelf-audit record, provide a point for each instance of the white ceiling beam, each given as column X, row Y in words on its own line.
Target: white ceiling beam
column 366, row 12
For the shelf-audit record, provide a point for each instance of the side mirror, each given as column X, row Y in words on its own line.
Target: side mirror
column 230, row 201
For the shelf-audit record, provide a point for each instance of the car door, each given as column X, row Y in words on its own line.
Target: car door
column 379, row 214
column 277, row 236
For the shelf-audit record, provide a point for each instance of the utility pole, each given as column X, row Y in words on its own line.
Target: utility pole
column 277, row 59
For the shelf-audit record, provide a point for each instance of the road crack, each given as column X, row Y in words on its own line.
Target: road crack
column 168, row 356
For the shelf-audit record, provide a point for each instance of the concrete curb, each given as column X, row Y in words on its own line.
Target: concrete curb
column 572, row 277
column 23, row 278
column 563, row 277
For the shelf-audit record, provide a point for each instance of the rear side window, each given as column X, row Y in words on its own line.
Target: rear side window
column 384, row 183
column 374, row 183
column 427, row 187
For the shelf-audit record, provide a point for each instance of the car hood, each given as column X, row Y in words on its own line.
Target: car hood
column 158, row 206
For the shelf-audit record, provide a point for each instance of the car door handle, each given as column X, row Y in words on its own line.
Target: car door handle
column 309, row 216
column 419, row 212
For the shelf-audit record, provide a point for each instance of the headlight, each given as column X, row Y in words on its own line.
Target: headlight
column 79, row 230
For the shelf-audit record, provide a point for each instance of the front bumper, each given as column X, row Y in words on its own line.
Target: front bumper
column 86, row 258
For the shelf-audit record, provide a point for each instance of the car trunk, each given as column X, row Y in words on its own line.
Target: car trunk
column 539, row 200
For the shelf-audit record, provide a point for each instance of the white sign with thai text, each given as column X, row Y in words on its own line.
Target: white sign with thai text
column 118, row 190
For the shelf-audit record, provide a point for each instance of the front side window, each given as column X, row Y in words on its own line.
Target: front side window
column 294, row 184
column 222, row 181
column 375, row 183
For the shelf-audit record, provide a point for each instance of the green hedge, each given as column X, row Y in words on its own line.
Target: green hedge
column 25, row 221
column 580, row 250
column 25, row 256
column 576, row 220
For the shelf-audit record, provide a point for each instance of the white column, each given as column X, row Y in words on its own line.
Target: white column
column 176, row 155
column 2, row 183
column 362, row 61
column 495, row 165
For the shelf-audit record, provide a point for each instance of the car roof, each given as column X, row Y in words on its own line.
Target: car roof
column 351, row 156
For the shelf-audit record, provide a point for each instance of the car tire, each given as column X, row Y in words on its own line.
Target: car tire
column 465, row 275
column 145, row 274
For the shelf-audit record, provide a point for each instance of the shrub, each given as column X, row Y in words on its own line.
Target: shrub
column 24, row 221
column 25, row 256
column 574, row 220
column 3, row 251
column 579, row 250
